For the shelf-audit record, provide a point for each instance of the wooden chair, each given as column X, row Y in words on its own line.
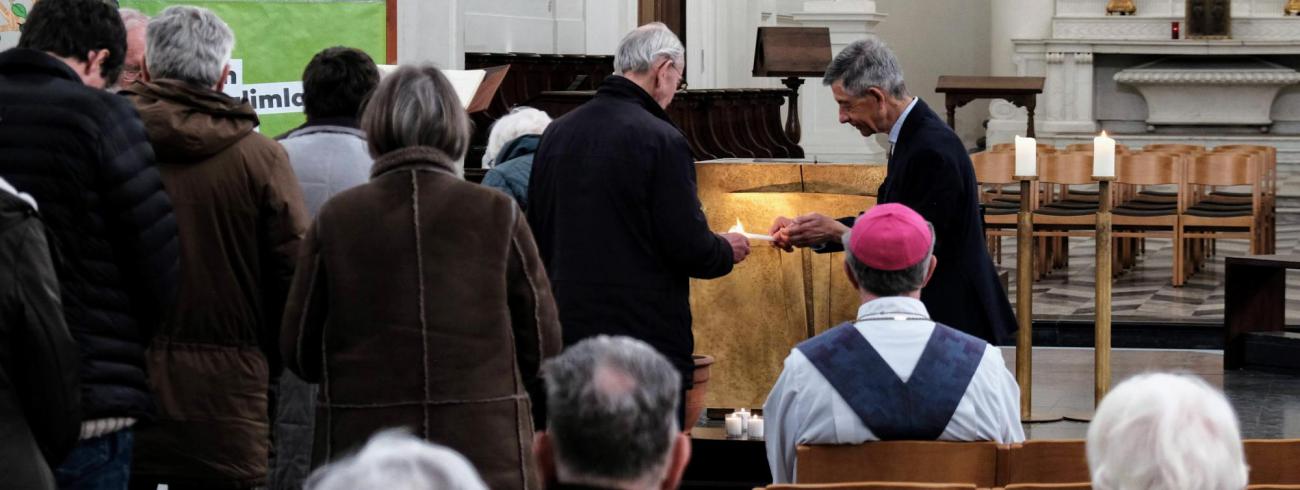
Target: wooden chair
column 1043, row 462
column 1273, row 462
column 1042, row 147
column 1087, row 147
column 994, row 171
column 1273, row 487
column 900, row 461
column 1056, row 218
column 872, row 486
column 1206, row 219
column 1136, row 218
column 1266, row 159
column 1049, row 486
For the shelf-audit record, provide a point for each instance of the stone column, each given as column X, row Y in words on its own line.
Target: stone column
column 431, row 31
column 824, row 137
column 1014, row 19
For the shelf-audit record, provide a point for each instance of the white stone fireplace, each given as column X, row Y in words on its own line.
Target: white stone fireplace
column 1121, row 74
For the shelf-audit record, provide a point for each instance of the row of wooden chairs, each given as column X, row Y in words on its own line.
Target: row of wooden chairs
column 962, row 486
column 1028, row 465
column 1200, row 208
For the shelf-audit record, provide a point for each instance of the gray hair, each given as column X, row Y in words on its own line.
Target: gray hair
column 190, row 44
column 646, row 45
column 416, row 106
column 1163, row 431
column 132, row 18
column 612, row 412
column 864, row 64
column 890, row 283
column 396, row 460
column 521, row 121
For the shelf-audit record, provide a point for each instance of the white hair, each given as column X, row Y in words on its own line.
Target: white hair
column 1165, row 432
column 519, row 122
column 646, row 45
column 396, row 460
column 132, row 18
column 190, row 44
column 864, row 64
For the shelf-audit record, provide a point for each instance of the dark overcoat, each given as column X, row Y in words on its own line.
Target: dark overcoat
column 612, row 200
column 930, row 172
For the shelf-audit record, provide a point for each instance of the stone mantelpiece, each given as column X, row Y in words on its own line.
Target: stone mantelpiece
column 1184, row 91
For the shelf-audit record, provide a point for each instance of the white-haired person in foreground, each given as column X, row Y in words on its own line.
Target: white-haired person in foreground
column 1165, row 432
column 611, row 418
column 396, row 460
column 510, row 148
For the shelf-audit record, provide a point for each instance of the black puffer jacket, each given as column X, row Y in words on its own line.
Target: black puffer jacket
column 82, row 153
column 38, row 358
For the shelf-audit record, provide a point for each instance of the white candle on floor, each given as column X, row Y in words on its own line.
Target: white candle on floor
column 1026, row 157
column 1103, row 156
column 734, row 428
column 744, row 418
column 756, row 427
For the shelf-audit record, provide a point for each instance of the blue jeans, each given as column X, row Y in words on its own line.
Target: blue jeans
column 102, row 463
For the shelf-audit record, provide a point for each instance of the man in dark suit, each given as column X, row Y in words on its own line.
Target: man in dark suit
column 930, row 172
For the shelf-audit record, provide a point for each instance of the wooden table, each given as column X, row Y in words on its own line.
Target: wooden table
column 1255, row 288
column 1021, row 91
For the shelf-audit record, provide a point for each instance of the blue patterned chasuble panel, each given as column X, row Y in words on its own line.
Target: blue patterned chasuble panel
column 919, row 409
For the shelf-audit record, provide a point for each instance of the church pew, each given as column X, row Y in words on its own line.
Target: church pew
column 871, row 486
column 1273, row 461
column 900, row 461
column 1042, row 462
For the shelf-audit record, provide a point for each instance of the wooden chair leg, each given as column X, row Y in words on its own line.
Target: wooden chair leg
column 1178, row 261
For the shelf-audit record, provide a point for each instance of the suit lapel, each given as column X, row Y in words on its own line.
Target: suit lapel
column 897, row 157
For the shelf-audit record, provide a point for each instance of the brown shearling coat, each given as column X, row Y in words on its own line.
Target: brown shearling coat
column 240, row 214
column 420, row 302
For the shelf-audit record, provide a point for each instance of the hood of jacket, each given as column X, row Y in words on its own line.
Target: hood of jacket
column 188, row 123
column 523, row 145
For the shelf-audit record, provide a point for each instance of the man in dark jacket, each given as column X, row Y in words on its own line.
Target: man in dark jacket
column 240, row 212
column 82, row 153
column 930, row 172
column 38, row 360
column 612, row 202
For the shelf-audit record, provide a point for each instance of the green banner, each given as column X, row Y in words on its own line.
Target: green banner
column 274, row 40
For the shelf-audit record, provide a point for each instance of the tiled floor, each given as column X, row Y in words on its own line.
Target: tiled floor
column 1267, row 404
column 1145, row 293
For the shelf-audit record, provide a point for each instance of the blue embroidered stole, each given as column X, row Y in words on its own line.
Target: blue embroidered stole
column 919, row 409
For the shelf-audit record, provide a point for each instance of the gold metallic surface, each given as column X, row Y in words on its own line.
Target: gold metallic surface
column 1121, row 7
column 750, row 319
column 1292, row 7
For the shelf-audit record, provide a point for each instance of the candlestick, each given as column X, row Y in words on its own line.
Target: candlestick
column 734, row 427
column 1026, row 157
column 756, row 427
column 1103, row 156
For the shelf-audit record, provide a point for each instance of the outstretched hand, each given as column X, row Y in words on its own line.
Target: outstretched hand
column 814, row 229
column 780, row 238
column 739, row 246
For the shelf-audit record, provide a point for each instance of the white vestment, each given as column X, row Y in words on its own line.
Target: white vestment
column 803, row 407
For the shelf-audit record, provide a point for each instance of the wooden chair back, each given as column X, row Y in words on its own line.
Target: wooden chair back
column 1175, row 148
column 1049, row 486
column 1222, row 169
column 1044, row 461
column 1148, row 169
column 872, row 485
column 900, row 461
column 1087, row 148
column 994, row 167
column 1273, row 461
column 1012, row 147
column 1066, row 169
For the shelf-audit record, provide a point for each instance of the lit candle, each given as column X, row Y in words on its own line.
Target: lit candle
column 1103, row 156
column 743, row 413
column 756, row 427
column 1026, row 157
column 734, row 428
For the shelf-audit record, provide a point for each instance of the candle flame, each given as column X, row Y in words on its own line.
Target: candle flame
column 1103, row 133
column 739, row 228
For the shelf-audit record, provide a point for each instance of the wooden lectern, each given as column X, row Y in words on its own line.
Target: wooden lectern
column 792, row 52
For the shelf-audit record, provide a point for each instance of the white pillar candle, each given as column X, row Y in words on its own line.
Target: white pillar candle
column 756, row 427
column 734, row 428
column 1103, row 156
column 744, row 415
column 1026, row 157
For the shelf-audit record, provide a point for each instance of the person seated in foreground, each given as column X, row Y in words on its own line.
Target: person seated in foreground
column 892, row 374
column 1165, row 431
column 611, row 418
column 396, row 460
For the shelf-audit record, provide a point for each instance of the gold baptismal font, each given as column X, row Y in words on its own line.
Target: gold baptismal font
column 1121, row 7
